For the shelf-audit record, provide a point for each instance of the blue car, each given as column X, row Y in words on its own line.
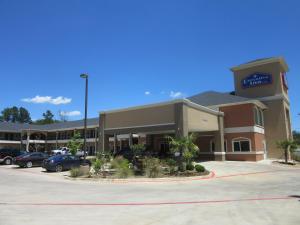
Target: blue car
column 59, row 163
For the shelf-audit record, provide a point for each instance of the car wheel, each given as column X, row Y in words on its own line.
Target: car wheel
column 8, row 161
column 58, row 168
column 29, row 164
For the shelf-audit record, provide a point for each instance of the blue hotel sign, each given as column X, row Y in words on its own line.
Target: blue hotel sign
column 256, row 79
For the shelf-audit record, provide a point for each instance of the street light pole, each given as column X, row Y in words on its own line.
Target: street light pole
column 86, row 77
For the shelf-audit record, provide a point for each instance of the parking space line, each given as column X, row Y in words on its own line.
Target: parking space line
column 155, row 203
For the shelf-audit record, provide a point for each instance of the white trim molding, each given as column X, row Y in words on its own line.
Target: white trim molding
column 219, row 153
column 245, row 153
column 250, row 129
column 67, row 140
column 274, row 98
column 152, row 125
column 9, row 142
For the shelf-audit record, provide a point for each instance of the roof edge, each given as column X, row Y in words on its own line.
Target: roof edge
column 280, row 60
column 183, row 100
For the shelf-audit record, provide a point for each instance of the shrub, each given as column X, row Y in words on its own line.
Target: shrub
column 190, row 167
column 75, row 172
column 122, row 166
column 75, row 143
column 116, row 162
column 200, row 169
column 153, row 167
column 97, row 166
column 138, row 149
column 171, row 162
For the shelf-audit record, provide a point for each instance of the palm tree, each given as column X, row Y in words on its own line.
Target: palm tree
column 287, row 146
column 185, row 146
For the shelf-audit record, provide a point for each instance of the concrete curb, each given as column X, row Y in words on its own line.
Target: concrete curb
column 211, row 175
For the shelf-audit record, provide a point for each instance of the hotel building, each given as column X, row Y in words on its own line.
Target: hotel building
column 241, row 125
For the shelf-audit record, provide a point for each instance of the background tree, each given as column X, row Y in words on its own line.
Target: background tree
column 24, row 116
column 287, row 146
column 48, row 118
column 15, row 114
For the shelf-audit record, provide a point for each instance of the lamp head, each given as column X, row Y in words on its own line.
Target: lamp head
column 84, row 75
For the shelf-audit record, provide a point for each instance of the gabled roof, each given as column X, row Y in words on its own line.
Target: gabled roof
column 213, row 98
column 210, row 98
column 262, row 61
column 18, row 127
column 71, row 124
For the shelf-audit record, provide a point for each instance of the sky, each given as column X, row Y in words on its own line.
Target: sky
column 137, row 52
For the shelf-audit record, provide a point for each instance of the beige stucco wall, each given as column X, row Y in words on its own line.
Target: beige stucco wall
column 140, row 117
column 201, row 121
column 275, row 127
column 260, row 91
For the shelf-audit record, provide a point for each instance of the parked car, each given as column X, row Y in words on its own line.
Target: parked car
column 7, row 155
column 80, row 153
column 59, row 163
column 60, row 151
column 31, row 159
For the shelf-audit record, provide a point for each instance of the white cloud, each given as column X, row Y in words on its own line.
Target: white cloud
column 48, row 99
column 177, row 94
column 147, row 92
column 70, row 113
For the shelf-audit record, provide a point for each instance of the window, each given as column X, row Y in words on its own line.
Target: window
column 258, row 116
column 242, row 145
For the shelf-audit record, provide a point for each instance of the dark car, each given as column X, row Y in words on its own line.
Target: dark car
column 7, row 155
column 59, row 163
column 31, row 159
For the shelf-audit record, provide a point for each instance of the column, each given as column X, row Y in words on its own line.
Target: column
column 96, row 135
column 220, row 151
column 46, row 142
column 56, row 140
column 101, row 133
column 21, row 141
column 181, row 120
column 115, row 143
column 130, row 141
column 28, row 141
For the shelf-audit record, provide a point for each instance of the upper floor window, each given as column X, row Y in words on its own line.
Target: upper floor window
column 258, row 116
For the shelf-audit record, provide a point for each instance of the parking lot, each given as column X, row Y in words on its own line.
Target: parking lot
column 239, row 193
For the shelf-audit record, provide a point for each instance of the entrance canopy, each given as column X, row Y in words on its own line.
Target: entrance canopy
column 179, row 116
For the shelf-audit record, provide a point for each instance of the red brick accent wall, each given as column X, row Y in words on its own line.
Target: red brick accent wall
column 256, row 140
column 203, row 142
column 244, row 157
column 238, row 115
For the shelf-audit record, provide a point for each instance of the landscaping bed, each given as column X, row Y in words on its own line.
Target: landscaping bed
column 149, row 167
column 180, row 163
